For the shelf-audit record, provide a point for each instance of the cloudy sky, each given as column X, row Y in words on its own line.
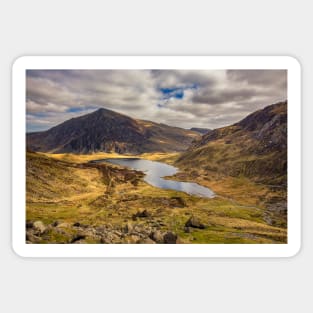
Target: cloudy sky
column 184, row 98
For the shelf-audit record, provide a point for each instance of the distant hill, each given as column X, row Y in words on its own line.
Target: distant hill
column 108, row 131
column 255, row 147
column 200, row 130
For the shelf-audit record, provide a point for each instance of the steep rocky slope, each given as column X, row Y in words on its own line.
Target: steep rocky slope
column 105, row 130
column 255, row 147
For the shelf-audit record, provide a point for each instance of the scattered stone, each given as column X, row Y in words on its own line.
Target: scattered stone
column 110, row 237
column 78, row 237
column 133, row 239
column 31, row 238
column 64, row 225
column 55, row 223
column 195, row 223
column 117, row 233
column 46, row 237
column 100, row 229
column 128, row 228
column 187, row 229
column 143, row 213
column 29, row 224
column 177, row 202
column 170, row 238
column 59, row 231
column 104, row 240
column 155, row 225
column 39, row 227
column 146, row 241
column 90, row 232
column 77, row 224
column 157, row 236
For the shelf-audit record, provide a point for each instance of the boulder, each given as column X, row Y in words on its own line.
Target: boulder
column 39, row 227
column 105, row 240
column 110, row 237
column 143, row 213
column 194, row 222
column 29, row 224
column 55, row 224
column 157, row 236
column 170, row 238
column 64, row 225
column 78, row 237
column 187, row 229
column 133, row 239
column 178, row 202
column 128, row 228
column 146, row 241
column 31, row 238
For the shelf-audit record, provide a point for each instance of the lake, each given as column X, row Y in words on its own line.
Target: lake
column 154, row 173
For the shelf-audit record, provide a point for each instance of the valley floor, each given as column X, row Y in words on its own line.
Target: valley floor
column 72, row 201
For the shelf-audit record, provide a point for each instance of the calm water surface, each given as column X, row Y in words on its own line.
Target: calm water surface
column 154, row 173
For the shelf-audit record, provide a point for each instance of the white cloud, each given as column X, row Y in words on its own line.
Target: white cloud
column 210, row 98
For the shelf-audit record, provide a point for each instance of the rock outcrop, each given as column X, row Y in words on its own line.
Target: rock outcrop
column 76, row 233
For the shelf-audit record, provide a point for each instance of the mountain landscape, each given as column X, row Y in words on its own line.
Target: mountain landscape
column 255, row 147
column 156, row 156
column 108, row 131
column 75, row 195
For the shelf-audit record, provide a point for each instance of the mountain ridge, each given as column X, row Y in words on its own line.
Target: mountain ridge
column 201, row 130
column 255, row 147
column 109, row 131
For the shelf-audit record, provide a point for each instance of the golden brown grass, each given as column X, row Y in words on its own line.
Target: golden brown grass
column 58, row 189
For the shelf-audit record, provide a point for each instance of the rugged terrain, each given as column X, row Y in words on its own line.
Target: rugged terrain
column 252, row 151
column 72, row 201
column 108, row 131
column 255, row 147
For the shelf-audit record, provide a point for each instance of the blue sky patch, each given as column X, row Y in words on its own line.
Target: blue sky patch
column 177, row 93
column 77, row 109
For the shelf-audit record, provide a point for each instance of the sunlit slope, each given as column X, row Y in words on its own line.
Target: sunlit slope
column 255, row 147
column 78, row 202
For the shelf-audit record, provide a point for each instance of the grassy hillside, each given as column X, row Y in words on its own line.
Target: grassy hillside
column 245, row 163
column 72, row 201
column 256, row 148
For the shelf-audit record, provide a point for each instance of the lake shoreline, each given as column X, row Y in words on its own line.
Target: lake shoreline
column 129, row 210
column 155, row 173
